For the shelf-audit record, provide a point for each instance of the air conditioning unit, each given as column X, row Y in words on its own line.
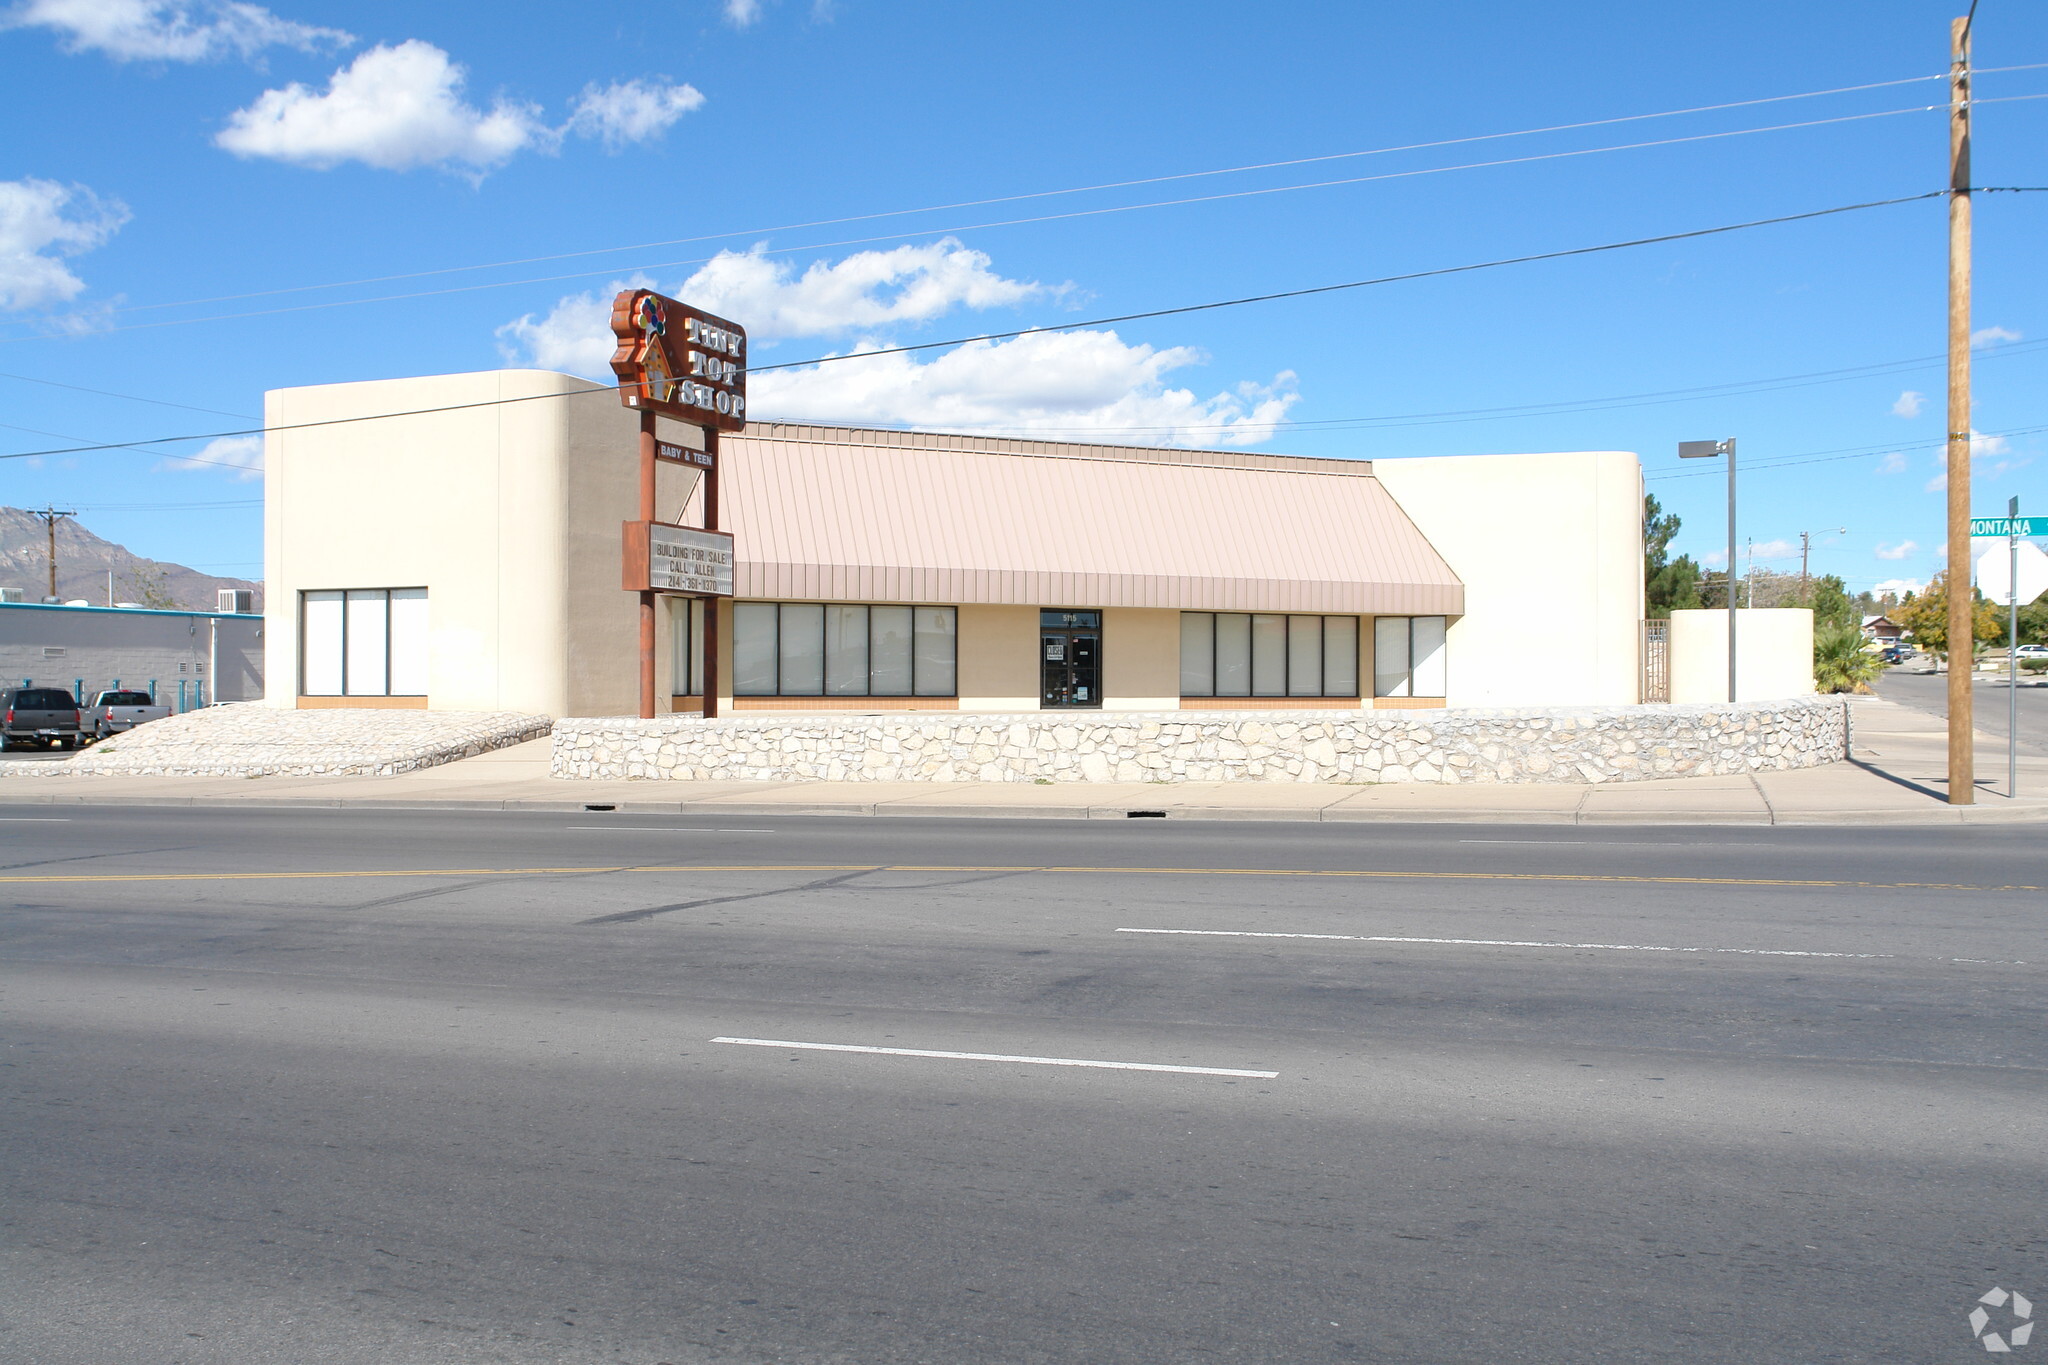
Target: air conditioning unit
column 240, row 601
column 11, row 595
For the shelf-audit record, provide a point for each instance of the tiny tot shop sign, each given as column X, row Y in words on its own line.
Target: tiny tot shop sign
column 677, row 362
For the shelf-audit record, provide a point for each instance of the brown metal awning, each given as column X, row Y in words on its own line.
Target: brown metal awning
column 851, row 515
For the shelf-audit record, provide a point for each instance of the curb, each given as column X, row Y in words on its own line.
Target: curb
column 1933, row 817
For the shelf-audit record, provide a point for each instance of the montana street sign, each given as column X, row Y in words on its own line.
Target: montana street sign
column 2007, row 526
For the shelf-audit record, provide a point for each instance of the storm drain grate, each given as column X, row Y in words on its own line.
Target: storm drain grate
column 1144, row 815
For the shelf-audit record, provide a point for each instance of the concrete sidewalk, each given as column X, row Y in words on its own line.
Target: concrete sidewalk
column 1896, row 775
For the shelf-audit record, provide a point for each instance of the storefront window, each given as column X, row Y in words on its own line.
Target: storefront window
column 686, row 617
column 363, row 642
column 1408, row 656
column 810, row 649
column 1256, row 654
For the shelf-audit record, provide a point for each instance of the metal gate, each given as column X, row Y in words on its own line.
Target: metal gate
column 1656, row 661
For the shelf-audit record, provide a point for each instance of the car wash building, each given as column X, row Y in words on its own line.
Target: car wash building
column 454, row 542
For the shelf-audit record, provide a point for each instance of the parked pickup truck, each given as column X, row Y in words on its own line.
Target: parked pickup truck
column 113, row 712
column 48, row 717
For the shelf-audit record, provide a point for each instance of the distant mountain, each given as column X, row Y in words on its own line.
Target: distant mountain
column 82, row 563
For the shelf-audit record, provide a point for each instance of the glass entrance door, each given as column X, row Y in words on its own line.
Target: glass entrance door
column 1070, row 657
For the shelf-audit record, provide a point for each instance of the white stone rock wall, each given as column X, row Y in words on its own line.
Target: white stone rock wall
column 1572, row 745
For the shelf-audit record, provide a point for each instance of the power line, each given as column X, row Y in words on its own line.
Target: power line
column 1078, row 189
column 1566, row 408
column 1362, row 284
column 1095, row 322
column 1830, row 457
column 1012, row 222
column 108, row 393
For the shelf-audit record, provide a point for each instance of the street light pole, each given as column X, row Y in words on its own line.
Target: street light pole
column 1700, row 450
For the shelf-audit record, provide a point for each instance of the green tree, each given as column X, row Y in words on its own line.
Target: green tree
column 1668, row 584
column 1840, row 663
column 2034, row 622
column 1926, row 616
column 1831, row 603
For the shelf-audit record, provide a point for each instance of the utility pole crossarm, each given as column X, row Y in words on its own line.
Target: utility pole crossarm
column 50, row 516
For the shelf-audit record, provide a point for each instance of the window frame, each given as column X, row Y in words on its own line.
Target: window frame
column 825, row 691
column 342, row 652
column 1286, row 687
column 1406, row 685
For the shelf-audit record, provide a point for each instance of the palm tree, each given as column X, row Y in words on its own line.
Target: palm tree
column 1839, row 661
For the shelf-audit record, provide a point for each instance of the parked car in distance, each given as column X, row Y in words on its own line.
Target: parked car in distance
column 1895, row 654
column 2032, row 652
column 46, row 717
column 112, row 712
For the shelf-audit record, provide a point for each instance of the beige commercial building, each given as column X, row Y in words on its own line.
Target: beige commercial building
column 454, row 542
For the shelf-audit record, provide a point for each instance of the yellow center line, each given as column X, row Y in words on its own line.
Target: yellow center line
column 772, row 868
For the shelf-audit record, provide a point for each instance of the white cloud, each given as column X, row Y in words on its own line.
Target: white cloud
column 742, row 13
column 241, row 455
column 1085, row 385
column 1898, row 551
column 1986, row 454
column 1899, row 587
column 1770, row 549
column 1909, row 404
column 1893, row 463
column 575, row 336
column 41, row 222
column 393, row 108
column 773, row 301
column 163, row 30
column 631, row 111
column 867, row 289
column 1080, row 386
column 1991, row 336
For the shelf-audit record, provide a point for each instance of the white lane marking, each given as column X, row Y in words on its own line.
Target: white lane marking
column 1502, row 943
column 1596, row 843
column 999, row 1057
column 666, row 829
column 35, row 819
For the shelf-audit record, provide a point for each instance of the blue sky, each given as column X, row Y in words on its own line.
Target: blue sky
column 199, row 202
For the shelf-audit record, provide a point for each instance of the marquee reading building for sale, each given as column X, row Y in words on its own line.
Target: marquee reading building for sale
column 465, row 555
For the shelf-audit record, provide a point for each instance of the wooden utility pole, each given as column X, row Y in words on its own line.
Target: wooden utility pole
column 1962, row 767
column 49, row 517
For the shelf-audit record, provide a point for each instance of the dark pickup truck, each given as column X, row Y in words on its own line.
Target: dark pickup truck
column 47, row 717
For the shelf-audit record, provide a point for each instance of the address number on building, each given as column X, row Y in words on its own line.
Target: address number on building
column 678, row 559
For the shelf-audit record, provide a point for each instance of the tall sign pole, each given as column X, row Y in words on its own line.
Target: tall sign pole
column 709, row 684
column 648, row 441
column 677, row 362
column 1962, row 766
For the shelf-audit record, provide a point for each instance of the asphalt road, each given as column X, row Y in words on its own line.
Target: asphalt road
column 1557, row 1095
column 1990, row 699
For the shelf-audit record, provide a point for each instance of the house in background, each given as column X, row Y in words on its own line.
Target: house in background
column 185, row 659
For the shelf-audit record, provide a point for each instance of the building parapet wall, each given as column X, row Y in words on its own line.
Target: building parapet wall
column 1578, row 745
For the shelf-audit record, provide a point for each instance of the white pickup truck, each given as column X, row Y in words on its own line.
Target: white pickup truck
column 113, row 712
